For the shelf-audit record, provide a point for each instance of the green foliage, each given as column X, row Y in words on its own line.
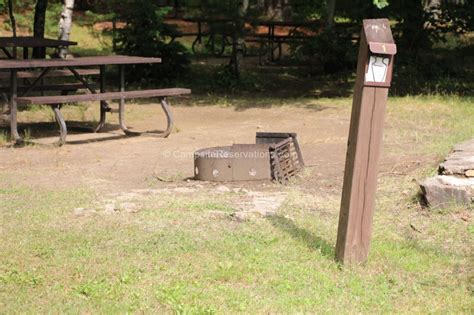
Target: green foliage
column 380, row 3
column 329, row 52
column 146, row 34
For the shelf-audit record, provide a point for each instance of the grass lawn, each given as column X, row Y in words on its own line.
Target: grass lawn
column 60, row 253
column 174, row 255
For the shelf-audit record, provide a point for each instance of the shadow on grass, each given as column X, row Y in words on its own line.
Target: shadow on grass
column 312, row 241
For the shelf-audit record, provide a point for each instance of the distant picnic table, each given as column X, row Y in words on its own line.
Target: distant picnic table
column 79, row 68
column 269, row 42
column 27, row 42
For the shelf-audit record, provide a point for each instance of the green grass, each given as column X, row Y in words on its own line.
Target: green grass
column 173, row 256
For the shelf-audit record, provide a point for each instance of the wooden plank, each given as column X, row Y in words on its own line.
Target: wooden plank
column 76, row 62
column 50, row 87
column 53, row 73
column 30, row 42
column 62, row 99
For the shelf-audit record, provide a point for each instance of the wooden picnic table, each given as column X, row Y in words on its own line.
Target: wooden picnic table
column 270, row 38
column 74, row 65
column 27, row 42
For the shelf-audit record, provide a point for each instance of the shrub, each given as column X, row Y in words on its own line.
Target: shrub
column 330, row 51
column 144, row 33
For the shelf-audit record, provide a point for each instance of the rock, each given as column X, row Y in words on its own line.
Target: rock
column 268, row 202
column 460, row 161
column 469, row 173
column 184, row 190
column 128, row 207
column 79, row 212
column 218, row 214
column 223, row 189
column 442, row 191
column 264, row 213
column 243, row 216
column 109, row 208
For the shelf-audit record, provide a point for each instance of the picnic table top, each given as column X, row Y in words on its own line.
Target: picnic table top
column 285, row 23
column 30, row 42
column 254, row 21
column 76, row 62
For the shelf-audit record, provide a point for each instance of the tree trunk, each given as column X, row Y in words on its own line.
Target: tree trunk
column 65, row 24
column 12, row 17
column 238, row 45
column 38, row 27
column 274, row 9
column 4, row 98
column 331, row 7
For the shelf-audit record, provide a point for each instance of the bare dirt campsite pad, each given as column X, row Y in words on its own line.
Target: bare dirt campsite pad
column 111, row 224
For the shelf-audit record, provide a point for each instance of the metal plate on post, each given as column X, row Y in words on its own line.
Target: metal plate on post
column 381, row 50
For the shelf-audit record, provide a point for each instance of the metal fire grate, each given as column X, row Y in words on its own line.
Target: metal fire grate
column 285, row 155
column 275, row 156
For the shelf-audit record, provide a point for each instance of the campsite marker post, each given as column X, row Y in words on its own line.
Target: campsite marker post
column 374, row 76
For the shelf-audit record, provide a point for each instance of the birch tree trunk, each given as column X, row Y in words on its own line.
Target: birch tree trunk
column 65, row 24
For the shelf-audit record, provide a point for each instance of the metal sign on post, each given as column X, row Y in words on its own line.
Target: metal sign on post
column 374, row 76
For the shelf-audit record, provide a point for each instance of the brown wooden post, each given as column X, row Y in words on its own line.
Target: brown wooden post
column 374, row 75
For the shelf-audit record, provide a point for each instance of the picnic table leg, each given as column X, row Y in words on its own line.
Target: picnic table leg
column 169, row 118
column 103, row 104
column 61, row 123
column 7, row 53
column 122, row 105
column 272, row 38
column 198, row 40
column 13, row 106
column 164, row 106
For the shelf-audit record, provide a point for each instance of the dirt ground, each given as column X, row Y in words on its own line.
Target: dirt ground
column 110, row 161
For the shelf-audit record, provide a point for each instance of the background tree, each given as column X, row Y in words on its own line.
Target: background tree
column 65, row 24
column 146, row 34
column 238, row 39
column 39, row 24
column 12, row 17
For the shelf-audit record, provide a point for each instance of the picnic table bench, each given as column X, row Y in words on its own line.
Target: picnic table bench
column 74, row 66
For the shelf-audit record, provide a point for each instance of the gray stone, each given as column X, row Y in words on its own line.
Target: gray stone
column 128, row 207
column 223, row 189
column 243, row 216
column 109, row 208
column 460, row 161
column 215, row 214
column 79, row 212
column 442, row 191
